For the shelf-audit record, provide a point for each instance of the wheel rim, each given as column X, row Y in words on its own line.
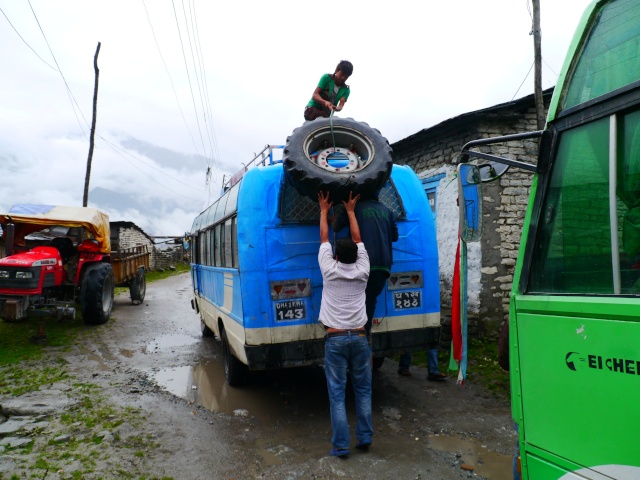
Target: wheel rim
column 353, row 150
column 107, row 290
column 143, row 286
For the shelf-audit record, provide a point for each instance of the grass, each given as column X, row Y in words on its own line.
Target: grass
column 15, row 337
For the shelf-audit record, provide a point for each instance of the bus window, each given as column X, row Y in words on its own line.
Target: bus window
column 234, row 241
column 201, row 250
column 194, row 249
column 219, row 215
column 573, row 245
column 296, row 208
column 232, row 202
column 609, row 60
column 217, row 252
column 228, row 256
column 628, row 193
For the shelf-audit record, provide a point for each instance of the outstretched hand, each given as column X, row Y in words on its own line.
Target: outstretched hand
column 323, row 200
column 350, row 205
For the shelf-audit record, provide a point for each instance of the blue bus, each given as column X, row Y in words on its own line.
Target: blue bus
column 257, row 284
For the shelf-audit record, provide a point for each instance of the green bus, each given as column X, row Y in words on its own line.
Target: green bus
column 574, row 316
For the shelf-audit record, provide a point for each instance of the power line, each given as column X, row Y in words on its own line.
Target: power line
column 69, row 92
column 114, row 146
column 170, row 79
column 26, row 43
column 138, row 168
column 189, row 79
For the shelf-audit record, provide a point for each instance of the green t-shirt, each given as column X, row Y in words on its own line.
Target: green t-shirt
column 327, row 87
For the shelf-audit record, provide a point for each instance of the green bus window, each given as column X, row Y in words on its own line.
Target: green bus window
column 628, row 207
column 609, row 59
column 573, row 243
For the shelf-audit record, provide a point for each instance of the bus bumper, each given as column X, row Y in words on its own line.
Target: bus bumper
column 311, row 352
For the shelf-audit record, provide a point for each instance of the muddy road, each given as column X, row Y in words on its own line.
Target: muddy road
column 153, row 357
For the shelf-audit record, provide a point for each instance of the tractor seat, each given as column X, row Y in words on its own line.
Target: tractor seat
column 64, row 246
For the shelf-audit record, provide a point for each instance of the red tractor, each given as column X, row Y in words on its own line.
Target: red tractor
column 56, row 257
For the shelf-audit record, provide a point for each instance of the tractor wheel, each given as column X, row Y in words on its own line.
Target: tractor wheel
column 96, row 293
column 235, row 372
column 360, row 162
column 138, row 287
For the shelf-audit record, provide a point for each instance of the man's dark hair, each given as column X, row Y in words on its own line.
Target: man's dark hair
column 346, row 250
column 345, row 67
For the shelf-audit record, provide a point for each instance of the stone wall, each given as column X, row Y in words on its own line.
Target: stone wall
column 169, row 257
column 491, row 261
column 127, row 235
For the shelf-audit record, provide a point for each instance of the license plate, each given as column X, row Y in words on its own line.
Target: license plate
column 291, row 310
column 402, row 300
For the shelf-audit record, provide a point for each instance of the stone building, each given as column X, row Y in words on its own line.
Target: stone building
column 127, row 235
column 433, row 155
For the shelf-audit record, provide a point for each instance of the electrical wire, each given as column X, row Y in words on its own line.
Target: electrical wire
column 69, row 92
column 170, row 79
column 26, row 43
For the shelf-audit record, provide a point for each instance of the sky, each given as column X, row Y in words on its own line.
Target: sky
column 190, row 90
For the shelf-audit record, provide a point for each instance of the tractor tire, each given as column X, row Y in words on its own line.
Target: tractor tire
column 364, row 168
column 138, row 287
column 235, row 372
column 96, row 293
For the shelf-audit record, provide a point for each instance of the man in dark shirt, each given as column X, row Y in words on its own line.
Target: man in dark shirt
column 378, row 230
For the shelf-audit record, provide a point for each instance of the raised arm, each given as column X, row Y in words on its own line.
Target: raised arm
column 350, row 207
column 325, row 205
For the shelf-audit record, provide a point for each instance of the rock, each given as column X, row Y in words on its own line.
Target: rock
column 44, row 402
column 14, row 425
column 33, row 427
column 241, row 412
column 15, row 442
column 62, row 439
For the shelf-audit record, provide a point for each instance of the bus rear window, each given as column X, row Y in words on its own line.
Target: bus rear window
column 296, row 208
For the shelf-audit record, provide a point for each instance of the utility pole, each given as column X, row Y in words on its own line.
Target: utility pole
column 85, row 198
column 537, row 60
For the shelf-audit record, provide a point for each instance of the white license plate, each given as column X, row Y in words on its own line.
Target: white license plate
column 403, row 300
column 290, row 310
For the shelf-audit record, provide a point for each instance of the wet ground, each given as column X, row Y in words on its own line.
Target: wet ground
column 278, row 426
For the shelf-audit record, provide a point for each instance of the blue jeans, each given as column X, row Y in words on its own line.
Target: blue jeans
column 349, row 353
column 432, row 361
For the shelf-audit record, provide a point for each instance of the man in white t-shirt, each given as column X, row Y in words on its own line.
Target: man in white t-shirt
column 343, row 314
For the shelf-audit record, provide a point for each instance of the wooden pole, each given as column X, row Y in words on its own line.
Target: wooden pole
column 537, row 59
column 85, row 198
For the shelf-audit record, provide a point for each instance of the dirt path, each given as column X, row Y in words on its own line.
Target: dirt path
column 152, row 358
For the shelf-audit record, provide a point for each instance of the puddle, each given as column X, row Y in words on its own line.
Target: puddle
column 485, row 462
column 265, row 398
column 100, row 361
column 164, row 342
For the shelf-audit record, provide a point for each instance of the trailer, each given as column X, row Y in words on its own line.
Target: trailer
column 57, row 257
